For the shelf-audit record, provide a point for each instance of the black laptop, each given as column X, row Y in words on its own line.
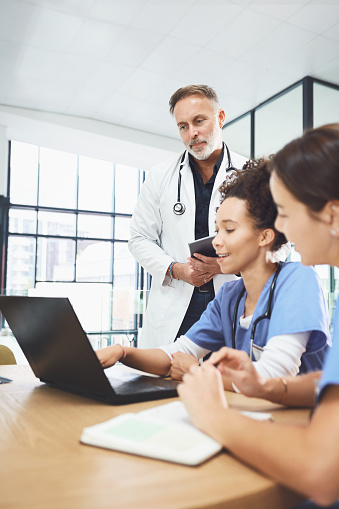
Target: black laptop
column 60, row 354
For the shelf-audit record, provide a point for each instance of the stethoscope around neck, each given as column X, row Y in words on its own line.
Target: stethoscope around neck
column 266, row 315
column 179, row 207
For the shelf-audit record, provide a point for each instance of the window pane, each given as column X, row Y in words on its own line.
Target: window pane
column 122, row 231
column 20, row 264
column 126, row 188
column 335, row 293
column 326, row 105
column 278, row 122
column 123, row 309
column 95, row 185
column 124, row 267
column 336, row 281
column 94, row 261
column 58, row 179
column 55, row 260
column 323, row 272
column 125, row 339
column 127, row 307
column 22, row 221
column 237, row 136
column 55, row 223
column 90, row 225
column 24, row 173
column 89, row 300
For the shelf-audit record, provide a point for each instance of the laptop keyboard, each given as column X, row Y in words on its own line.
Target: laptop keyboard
column 138, row 383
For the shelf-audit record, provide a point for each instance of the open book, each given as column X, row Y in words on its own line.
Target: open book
column 164, row 432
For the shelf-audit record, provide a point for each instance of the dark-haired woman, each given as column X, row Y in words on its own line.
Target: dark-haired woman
column 294, row 338
column 305, row 187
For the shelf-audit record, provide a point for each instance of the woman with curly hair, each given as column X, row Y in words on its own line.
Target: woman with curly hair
column 275, row 312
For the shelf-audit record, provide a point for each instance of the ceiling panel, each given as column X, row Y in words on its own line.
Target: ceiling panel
column 120, row 60
column 134, row 46
column 95, row 38
column 54, row 30
column 200, row 25
column 270, row 51
column 316, row 18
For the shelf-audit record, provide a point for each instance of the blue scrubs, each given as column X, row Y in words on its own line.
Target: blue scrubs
column 330, row 374
column 298, row 305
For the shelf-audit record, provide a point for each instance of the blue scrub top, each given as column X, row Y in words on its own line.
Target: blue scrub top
column 298, row 305
column 330, row 374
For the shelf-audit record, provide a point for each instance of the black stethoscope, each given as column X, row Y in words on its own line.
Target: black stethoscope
column 267, row 313
column 179, row 208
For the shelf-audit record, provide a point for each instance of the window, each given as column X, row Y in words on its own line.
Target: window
column 68, row 227
column 237, row 136
column 280, row 119
column 326, row 104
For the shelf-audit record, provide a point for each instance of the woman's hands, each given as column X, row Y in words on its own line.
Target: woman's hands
column 203, row 395
column 110, row 355
column 181, row 364
column 235, row 365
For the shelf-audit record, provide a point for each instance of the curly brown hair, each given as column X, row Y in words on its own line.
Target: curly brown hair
column 252, row 185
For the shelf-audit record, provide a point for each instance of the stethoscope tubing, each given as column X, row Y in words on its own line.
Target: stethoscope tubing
column 266, row 315
column 179, row 207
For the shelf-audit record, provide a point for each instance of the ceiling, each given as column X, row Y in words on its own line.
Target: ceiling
column 119, row 61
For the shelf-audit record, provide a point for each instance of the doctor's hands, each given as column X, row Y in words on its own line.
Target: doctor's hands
column 196, row 272
column 203, row 395
column 203, row 263
column 235, row 365
column 110, row 355
column 181, row 364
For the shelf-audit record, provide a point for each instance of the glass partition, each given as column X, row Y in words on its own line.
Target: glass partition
column 237, row 136
column 278, row 122
column 326, row 104
column 275, row 122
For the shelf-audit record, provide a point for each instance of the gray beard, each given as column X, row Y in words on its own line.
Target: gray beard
column 201, row 156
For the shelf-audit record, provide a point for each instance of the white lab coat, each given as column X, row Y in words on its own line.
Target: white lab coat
column 158, row 237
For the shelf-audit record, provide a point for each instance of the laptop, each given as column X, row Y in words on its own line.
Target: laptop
column 60, row 354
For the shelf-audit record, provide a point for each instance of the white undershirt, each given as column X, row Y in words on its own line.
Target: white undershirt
column 279, row 357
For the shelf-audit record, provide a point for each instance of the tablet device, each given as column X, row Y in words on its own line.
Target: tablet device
column 203, row 246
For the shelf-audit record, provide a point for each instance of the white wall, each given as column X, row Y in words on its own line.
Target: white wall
column 81, row 136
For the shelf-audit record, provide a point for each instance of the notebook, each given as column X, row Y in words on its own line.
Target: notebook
column 164, row 432
column 60, row 354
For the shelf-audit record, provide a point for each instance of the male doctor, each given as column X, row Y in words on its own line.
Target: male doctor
column 177, row 205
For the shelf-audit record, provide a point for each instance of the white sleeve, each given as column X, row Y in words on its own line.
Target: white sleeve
column 281, row 356
column 145, row 232
column 184, row 345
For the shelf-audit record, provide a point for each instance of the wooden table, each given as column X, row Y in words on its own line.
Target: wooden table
column 44, row 466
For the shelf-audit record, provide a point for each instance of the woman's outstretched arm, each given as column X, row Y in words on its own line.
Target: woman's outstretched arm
column 304, row 458
column 152, row 360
